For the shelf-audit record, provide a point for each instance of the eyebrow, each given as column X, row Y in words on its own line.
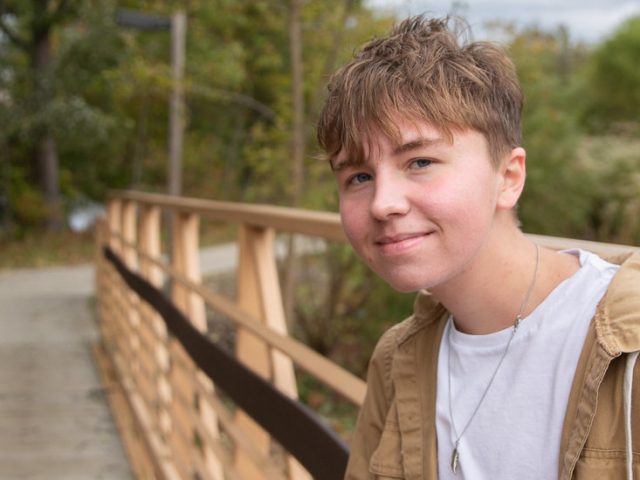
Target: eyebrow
column 337, row 165
column 416, row 144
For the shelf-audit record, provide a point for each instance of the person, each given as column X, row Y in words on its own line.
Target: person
column 518, row 361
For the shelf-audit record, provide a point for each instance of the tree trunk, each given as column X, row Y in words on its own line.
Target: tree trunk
column 46, row 154
column 297, row 147
column 48, row 166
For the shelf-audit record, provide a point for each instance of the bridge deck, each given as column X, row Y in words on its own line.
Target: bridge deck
column 55, row 422
column 54, row 418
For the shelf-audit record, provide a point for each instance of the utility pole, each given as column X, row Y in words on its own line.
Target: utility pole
column 177, row 24
column 176, row 106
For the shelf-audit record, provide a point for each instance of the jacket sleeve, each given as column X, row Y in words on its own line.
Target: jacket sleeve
column 373, row 413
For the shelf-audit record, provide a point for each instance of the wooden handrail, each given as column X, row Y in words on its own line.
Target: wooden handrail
column 143, row 354
column 283, row 219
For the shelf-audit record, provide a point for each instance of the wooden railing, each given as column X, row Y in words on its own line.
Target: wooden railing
column 182, row 427
column 174, row 421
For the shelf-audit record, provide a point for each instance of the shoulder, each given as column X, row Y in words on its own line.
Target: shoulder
column 427, row 312
column 618, row 317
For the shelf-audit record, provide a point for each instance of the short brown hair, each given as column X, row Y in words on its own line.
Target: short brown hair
column 422, row 72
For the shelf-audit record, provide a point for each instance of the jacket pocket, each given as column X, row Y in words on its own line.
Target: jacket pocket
column 386, row 461
column 600, row 464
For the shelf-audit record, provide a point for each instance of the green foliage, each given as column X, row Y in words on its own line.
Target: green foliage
column 613, row 89
column 342, row 308
column 110, row 88
column 557, row 199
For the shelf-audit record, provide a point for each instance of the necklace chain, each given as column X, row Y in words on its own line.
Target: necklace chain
column 455, row 456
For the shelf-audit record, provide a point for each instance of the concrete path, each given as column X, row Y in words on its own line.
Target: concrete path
column 54, row 419
column 55, row 422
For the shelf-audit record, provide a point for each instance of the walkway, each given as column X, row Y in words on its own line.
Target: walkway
column 54, row 418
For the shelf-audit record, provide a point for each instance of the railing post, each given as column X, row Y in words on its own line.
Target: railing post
column 130, row 257
column 103, row 285
column 259, row 294
column 112, row 306
column 118, row 302
column 114, row 220
column 185, row 260
column 150, row 246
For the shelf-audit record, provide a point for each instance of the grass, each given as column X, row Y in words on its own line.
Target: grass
column 39, row 248
column 43, row 249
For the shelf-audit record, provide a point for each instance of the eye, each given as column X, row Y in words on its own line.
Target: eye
column 358, row 178
column 421, row 163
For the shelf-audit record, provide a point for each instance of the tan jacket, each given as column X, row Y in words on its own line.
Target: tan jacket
column 396, row 431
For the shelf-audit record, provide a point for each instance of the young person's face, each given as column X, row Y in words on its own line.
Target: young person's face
column 419, row 212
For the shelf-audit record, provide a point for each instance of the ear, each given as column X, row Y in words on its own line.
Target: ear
column 513, row 172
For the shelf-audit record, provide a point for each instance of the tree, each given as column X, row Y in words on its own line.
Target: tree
column 35, row 21
column 613, row 80
column 557, row 197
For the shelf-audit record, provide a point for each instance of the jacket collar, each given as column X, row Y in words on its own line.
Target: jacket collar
column 617, row 319
column 426, row 310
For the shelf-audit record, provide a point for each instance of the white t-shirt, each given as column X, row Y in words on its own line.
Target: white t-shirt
column 516, row 432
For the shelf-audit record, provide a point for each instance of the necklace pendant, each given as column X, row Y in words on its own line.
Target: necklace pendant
column 455, row 456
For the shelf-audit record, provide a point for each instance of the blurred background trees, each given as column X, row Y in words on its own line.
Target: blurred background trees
column 84, row 109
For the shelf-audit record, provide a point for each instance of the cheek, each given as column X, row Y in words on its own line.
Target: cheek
column 353, row 221
column 466, row 207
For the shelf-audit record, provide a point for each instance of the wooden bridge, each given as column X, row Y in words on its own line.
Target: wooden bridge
column 185, row 406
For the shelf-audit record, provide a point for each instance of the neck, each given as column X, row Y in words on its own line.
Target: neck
column 488, row 295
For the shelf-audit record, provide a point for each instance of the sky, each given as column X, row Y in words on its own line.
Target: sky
column 588, row 20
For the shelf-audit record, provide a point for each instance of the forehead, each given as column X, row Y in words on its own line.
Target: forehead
column 403, row 136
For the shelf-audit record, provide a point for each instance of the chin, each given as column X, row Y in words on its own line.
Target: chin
column 402, row 283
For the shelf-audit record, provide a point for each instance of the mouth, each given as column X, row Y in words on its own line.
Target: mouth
column 400, row 243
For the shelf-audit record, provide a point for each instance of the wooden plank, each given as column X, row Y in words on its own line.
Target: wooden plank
column 146, row 335
column 305, row 222
column 180, row 453
column 146, row 378
column 148, row 457
column 343, row 382
column 114, row 220
column 250, row 350
column 262, row 242
column 129, row 234
column 211, row 448
column 244, row 442
column 139, row 457
column 185, row 259
column 181, row 381
column 149, row 244
column 184, row 441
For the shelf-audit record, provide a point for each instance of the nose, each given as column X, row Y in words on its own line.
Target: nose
column 389, row 198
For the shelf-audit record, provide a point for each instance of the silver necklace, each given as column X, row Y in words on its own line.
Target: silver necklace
column 455, row 456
